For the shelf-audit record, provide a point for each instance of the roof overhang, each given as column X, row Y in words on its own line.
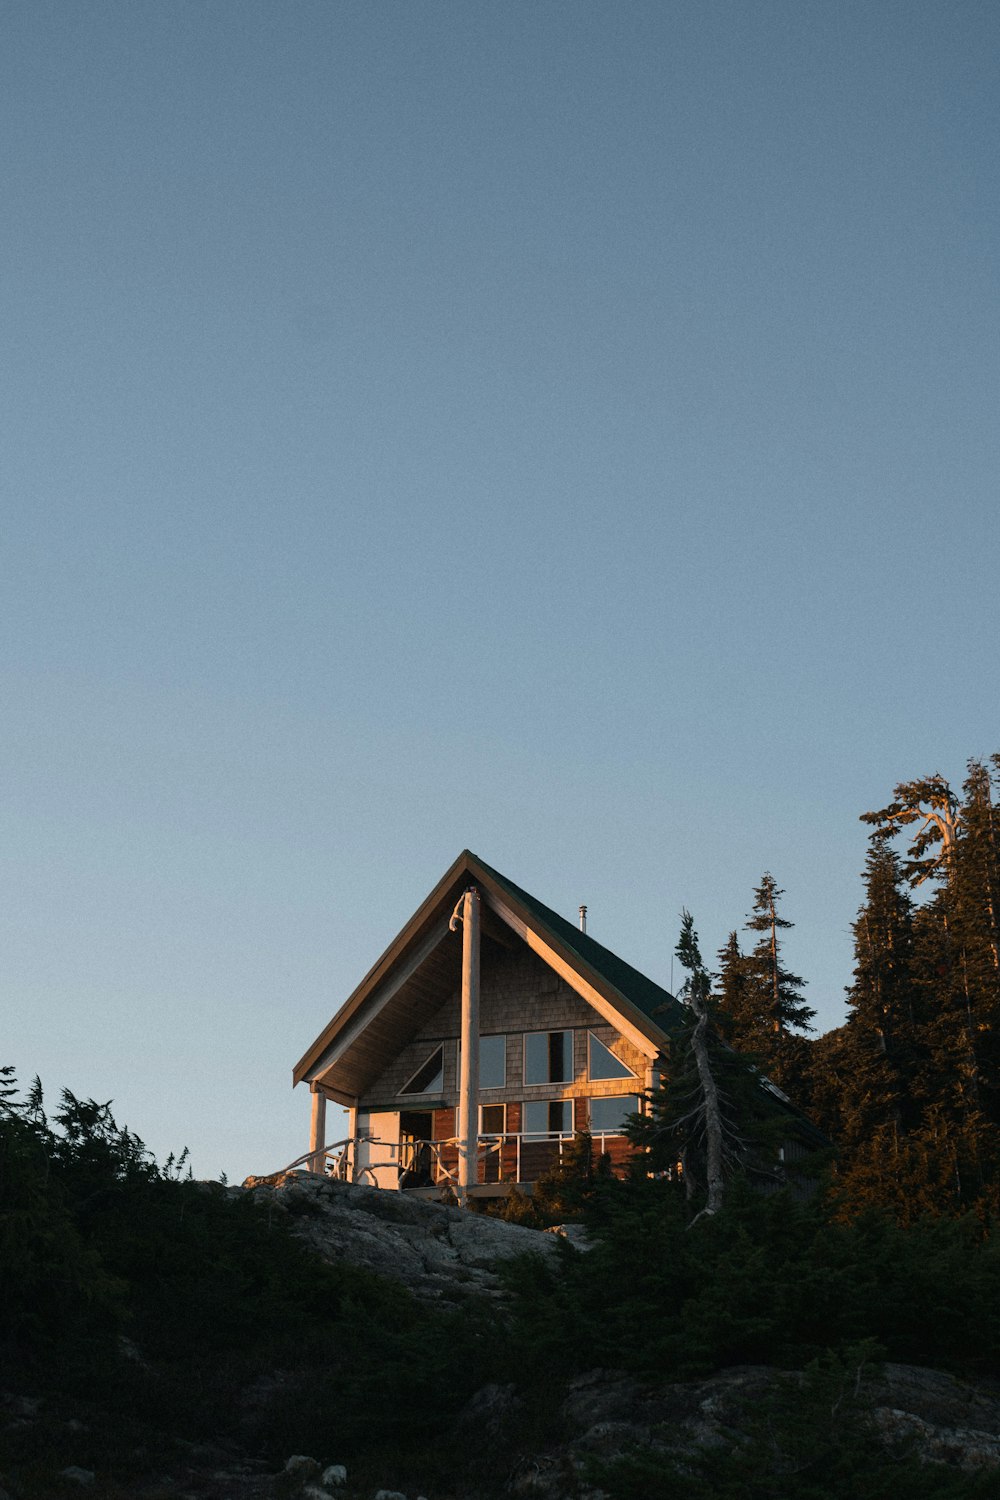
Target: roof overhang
column 422, row 967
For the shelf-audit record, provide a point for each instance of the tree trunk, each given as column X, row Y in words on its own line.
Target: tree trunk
column 713, row 1112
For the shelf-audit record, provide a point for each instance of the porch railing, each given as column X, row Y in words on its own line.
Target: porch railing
column 508, row 1158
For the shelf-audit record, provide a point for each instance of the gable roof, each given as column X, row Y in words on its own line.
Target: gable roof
column 654, row 1001
column 421, row 967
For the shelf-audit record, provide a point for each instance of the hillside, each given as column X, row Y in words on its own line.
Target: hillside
column 163, row 1338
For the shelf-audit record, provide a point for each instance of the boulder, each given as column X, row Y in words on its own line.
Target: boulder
column 439, row 1252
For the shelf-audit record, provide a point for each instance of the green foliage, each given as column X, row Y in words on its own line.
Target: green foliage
column 910, row 1087
column 219, row 1301
column 810, row 1438
column 162, row 1302
column 56, row 1291
column 722, row 1092
column 562, row 1193
column 763, row 1011
column 767, row 1280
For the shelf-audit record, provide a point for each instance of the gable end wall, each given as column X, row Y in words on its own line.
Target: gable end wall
column 518, row 993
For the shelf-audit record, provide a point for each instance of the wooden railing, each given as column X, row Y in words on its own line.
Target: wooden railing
column 511, row 1157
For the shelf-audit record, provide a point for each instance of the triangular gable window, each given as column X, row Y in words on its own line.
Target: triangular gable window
column 602, row 1062
column 429, row 1078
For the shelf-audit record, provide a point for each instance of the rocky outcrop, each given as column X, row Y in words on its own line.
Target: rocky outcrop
column 933, row 1416
column 439, row 1252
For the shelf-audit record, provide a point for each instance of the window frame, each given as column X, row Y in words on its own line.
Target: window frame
column 492, row 1133
column 436, row 1085
column 617, row 1130
column 501, row 1037
column 548, row 1134
column 543, row 1083
column 593, row 1077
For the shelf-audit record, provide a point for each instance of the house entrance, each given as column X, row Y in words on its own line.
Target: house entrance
column 416, row 1131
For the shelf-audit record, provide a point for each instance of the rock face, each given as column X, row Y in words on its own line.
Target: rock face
column 438, row 1252
column 606, row 1413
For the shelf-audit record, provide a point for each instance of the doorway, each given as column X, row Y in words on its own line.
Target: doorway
column 416, row 1162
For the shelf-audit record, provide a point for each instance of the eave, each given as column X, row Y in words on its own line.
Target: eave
column 421, row 967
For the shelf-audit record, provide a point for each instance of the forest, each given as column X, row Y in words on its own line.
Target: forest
column 139, row 1307
column 908, row 1088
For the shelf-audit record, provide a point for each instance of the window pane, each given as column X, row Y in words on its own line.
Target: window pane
column 609, row 1114
column 494, row 1119
column 492, row 1062
column 536, row 1057
column 602, row 1062
column 430, row 1078
column 547, row 1117
column 560, row 1056
column 548, row 1057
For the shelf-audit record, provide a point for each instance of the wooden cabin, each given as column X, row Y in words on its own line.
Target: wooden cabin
column 488, row 1035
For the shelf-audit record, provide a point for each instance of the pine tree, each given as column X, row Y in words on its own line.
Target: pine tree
column 881, row 1056
column 922, row 1079
column 733, row 1003
column 710, row 1114
column 783, row 1006
column 956, row 934
column 764, row 1009
column 975, row 898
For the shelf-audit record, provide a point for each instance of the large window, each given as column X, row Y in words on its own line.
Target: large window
column 429, row 1077
column 607, row 1116
column 548, row 1057
column 602, row 1062
column 492, row 1062
column 542, row 1117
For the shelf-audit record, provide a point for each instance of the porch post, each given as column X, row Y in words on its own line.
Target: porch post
column 468, row 1105
column 317, row 1128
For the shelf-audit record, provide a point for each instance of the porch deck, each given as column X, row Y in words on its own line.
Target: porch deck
column 427, row 1168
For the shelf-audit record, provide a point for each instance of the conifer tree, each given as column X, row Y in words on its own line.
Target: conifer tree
column 881, row 1057
column 783, row 1006
column 762, row 1002
column 922, row 1084
column 710, row 1114
column 956, row 936
column 708, row 1111
column 732, row 1004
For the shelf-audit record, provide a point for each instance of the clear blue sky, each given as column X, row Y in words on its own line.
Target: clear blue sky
column 566, row 430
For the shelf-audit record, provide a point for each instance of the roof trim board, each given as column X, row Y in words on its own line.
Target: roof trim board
column 378, row 999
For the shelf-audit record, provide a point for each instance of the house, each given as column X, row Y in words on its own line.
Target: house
column 489, row 1034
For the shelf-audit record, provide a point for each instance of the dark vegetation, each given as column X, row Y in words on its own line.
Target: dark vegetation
column 149, row 1307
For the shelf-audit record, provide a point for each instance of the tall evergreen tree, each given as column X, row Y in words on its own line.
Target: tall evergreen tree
column 882, row 1055
column 784, row 1006
column 732, row 1004
column 925, row 1024
column 762, row 1002
column 710, row 1115
column 957, row 936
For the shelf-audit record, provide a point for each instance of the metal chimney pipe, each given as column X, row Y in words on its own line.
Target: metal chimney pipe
column 583, row 919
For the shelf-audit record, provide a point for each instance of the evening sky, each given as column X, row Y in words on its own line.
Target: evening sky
column 564, row 430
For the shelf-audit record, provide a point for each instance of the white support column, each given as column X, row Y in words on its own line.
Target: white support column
column 468, row 1098
column 317, row 1128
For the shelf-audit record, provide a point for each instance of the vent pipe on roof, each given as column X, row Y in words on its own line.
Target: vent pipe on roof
column 583, row 919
